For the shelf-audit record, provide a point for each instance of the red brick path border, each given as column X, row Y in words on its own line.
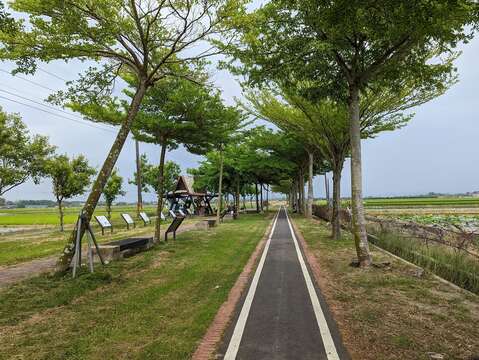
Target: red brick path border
column 207, row 347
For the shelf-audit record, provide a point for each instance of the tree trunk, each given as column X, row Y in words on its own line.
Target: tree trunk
column 301, row 191
column 294, row 196
column 303, row 194
column 326, row 189
column 309, row 212
column 139, row 204
column 161, row 183
column 336, row 217
column 67, row 255
column 60, row 213
column 298, row 200
column 358, row 219
column 256, row 193
column 237, row 200
column 267, row 198
column 220, row 189
column 108, row 210
column 261, row 195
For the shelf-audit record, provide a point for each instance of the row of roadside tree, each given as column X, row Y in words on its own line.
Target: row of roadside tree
column 327, row 74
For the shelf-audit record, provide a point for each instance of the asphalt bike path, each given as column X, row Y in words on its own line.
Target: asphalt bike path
column 283, row 315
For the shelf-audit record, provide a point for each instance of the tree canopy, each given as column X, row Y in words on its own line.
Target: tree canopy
column 112, row 190
column 22, row 157
column 70, row 177
column 348, row 48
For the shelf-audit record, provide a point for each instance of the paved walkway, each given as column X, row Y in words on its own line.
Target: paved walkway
column 283, row 315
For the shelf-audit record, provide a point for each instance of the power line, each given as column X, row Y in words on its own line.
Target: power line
column 43, row 110
column 60, row 116
column 30, row 81
column 40, row 103
column 52, row 74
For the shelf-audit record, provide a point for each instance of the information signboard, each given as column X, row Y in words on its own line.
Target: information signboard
column 145, row 217
column 104, row 223
column 174, row 226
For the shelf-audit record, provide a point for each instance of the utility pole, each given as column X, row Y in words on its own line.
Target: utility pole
column 139, row 204
column 220, row 188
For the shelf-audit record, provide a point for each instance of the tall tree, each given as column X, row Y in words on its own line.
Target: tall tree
column 70, row 177
column 349, row 47
column 146, row 39
column 139, row 203
column 179, row 112
column 256, row 157
column 22, row 156
column 112, row 190
column 325, row 124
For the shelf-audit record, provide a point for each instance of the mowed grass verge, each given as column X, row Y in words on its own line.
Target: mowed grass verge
column 155, row 305
column 21, row 247
column 389, row 312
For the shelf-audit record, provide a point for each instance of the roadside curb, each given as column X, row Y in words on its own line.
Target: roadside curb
column 208, row 344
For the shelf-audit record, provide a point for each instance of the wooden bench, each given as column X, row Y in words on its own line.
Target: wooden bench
column 206, row 224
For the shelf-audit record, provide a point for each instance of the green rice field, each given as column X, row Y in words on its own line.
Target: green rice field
column 459, row 202
column 49, row 216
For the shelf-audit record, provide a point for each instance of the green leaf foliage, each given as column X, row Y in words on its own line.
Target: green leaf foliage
column 113, row 188
column 22, row 156
column 70, row 177
column 177, row 112
column 150, row 175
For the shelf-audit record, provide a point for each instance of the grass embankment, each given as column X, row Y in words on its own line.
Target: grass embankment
column 453, row 265
column 155, row 305
column 389, row 312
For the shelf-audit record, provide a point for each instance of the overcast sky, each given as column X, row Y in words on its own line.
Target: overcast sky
column 438, row 151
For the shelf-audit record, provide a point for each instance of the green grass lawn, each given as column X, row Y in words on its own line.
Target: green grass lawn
column 155, row 305
column 31, row 245
column 388, row 312
column 24, row 246
column 49, row 216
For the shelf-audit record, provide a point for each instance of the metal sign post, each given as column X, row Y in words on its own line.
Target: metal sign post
column 82, row 223
column 173, row 227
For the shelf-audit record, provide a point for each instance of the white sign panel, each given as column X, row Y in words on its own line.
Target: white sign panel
column 103, row 221
column 181, row 213
column 127, row 219
column 172, row 213
column 145, row 217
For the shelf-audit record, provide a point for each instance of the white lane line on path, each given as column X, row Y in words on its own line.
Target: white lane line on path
column 241, row 323
column 328, row 342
